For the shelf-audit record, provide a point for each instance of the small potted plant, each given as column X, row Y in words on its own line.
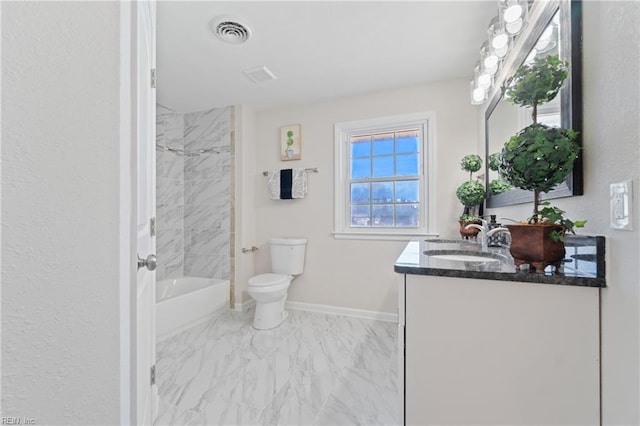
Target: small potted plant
column 537, row 159
column 471, row 194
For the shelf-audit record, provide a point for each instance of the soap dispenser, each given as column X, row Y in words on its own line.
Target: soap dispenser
column 495, row 240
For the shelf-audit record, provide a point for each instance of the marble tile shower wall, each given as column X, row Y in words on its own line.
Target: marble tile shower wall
column 193, row 193
column 169, row 194
column 207, row 199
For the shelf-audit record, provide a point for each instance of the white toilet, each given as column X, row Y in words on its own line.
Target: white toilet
column 270, row 290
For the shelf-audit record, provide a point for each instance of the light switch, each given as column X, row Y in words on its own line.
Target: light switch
column 621, row 205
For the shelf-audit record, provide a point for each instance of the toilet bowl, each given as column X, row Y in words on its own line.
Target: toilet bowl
column 270, row 293
column 269, row 290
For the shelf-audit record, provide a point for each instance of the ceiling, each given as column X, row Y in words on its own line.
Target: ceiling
column 317, row 50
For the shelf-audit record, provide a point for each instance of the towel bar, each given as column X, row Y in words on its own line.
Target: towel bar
column 309, row 170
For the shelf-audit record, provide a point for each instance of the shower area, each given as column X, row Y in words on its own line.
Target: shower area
column 194, row 193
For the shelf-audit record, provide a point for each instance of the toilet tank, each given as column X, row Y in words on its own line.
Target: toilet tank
column 287, row 255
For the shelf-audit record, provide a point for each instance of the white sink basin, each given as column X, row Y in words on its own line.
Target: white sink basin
column 464, row 258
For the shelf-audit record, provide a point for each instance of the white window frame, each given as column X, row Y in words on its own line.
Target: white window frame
column 425, row 121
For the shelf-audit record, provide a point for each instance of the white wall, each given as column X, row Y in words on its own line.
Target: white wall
column 60, row 206
column 611, row 95
column 245, row 177
column 354, row 274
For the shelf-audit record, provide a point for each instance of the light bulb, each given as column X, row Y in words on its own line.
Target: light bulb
column 512, row 13
column 491, row 70
column 484, row 81
column 514, row 27
column 478, row 95
column 491, row 61
column 545, row 38
column 499, row 41
column 501, row 53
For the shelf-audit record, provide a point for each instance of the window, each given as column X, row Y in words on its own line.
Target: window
column 383, row 177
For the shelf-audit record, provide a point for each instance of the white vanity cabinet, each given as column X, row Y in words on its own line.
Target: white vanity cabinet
column 498, row 352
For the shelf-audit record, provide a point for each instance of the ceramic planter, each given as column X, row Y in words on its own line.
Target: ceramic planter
column 471, row 232
column 532, row 244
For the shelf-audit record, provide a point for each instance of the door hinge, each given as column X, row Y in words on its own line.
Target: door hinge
column 153, row 78
column 153, row 375
column 152, row 226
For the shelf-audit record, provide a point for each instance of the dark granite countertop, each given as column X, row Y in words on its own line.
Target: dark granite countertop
column 584, row 263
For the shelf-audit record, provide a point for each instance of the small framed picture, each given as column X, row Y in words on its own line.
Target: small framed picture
column 290, row 143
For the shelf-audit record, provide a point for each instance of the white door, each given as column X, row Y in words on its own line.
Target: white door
column 145, row 390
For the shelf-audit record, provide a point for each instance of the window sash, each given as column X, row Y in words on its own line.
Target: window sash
column 371, row 203
column 345, row 134
column 370, row 137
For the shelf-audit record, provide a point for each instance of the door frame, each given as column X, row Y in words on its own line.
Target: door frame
column 128, row 212
column 127, row 215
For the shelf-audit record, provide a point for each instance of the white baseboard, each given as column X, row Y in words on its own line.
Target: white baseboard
column 244, row 306
column 347, row 312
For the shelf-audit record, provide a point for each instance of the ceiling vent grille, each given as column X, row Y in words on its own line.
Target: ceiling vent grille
column 230, row 30
column 259, row 74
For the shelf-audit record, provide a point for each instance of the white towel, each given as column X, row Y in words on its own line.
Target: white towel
column 299, row 186
column 273, row 183
column 298, row 183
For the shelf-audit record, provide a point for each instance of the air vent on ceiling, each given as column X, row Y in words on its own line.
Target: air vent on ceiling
column 259, row 74
column 230, row 30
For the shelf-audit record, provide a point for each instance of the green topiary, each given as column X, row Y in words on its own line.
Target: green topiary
column 471, row 163
column 498, row 186
column 538, row 82
column 494, row 161
column 471, row 193
column 540, row 157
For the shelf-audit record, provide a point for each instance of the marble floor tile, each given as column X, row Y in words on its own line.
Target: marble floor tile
column 169, row 415
column 224, row 413
column 300, row 400
column 314, row 369
column 360, row 398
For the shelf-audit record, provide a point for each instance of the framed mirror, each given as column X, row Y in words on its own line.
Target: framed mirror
column 556, row 30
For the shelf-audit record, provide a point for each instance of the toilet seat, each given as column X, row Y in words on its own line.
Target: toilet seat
column 268, row 280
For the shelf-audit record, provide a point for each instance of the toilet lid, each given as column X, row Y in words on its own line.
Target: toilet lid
column 266, row 280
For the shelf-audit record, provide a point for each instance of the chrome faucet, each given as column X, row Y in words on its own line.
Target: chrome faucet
column 494, row 231
column 483, row 231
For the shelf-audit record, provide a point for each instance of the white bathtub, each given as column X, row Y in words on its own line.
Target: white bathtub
column 184, row 302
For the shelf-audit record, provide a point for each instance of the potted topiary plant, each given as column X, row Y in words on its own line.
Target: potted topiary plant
column 497, row 186
column 471, row 194
column 537, row 159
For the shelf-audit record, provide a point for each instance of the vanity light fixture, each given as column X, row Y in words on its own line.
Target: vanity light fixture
column 498, row 37
column 490, row 60
column 513, row 14
column 501, row 32
column 478, row 94
column 482, row 76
